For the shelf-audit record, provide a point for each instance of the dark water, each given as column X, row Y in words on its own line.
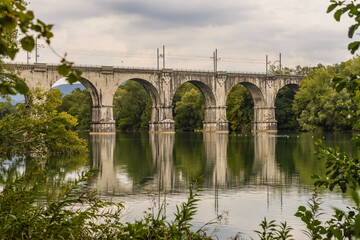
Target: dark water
column 246, row 177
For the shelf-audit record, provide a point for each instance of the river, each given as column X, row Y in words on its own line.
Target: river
column 246, row 177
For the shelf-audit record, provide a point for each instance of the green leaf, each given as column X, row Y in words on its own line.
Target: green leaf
column 20, row 6
column 64, row 69
column 21, row 87
column 302, row 209
column 9, row 22
column 337, row 14
column 28, row 43
column 352, row 29
column 353, row 47
column 12, row 52
column 340, row 86
column 355, row 197
column 337, row 79
column 357, row 226
column 331, row 7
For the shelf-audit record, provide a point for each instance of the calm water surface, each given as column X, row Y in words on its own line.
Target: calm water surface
column 247, row 177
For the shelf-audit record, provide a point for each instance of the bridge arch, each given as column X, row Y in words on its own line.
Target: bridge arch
column 256, row 94
column 152, row 94
column 210, row 115
column 283, row 102
column 155, row 101
column 262, row 113
column 210, row 100
column 239, row 109
column 292, row 83
column 151, row 90
column 292, row 86
column 94, row 94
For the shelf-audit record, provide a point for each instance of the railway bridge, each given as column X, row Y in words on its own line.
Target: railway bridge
column 161, row 85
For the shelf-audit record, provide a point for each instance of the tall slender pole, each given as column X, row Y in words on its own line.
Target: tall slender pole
column 280, row 61
column 157, row 58
column 216, row 59
column 36, row 50
column 267, row 64
column 27, row 57
column 163, row 56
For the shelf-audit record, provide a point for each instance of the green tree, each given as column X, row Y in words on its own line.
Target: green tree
column 6, row 108
column 132, row 107
column 189, row 111
column 239, row 110
column 39, row 130
column 298, row 70
column 284, row 113
column 317, row 104
column 78, row 104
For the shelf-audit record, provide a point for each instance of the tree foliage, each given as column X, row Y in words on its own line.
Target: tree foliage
column 239, row 111
column 297, row 70
column 284, row 114
column 6, row 108
column 39, row 129
column 78, row 104
column 317, row 104
column 132, row 107
column 189, row 107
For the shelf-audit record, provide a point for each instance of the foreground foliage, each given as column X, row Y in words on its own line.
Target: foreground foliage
column 16, row 20
column 76, row 212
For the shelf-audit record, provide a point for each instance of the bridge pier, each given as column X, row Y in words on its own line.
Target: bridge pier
column 209, row 123
column 264, row 120
column 166, row 124
column 102, row 120
column 215, row 120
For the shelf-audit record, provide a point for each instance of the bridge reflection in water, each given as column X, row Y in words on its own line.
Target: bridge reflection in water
column 159, row 171
column 249, row 176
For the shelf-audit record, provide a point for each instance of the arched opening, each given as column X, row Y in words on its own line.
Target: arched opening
column 192, row 106
column 240, row 104
column 284, row 113
column 77, row 100
column 135, row 104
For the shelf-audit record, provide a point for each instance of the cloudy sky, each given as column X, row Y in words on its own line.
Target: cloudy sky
column 128, row 32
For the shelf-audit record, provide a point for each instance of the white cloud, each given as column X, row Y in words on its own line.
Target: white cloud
column 127, row 32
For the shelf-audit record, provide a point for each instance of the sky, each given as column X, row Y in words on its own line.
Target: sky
column 128, row 32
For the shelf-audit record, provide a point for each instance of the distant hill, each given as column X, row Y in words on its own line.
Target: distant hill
column 64, row 89
column 15, row 99
column 67, row 88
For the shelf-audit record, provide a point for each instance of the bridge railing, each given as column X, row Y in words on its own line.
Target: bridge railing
column 154, row 69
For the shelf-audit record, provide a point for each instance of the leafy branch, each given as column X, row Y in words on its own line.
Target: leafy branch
column 15, row 17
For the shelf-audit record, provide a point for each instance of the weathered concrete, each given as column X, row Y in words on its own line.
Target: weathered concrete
column 102, row 83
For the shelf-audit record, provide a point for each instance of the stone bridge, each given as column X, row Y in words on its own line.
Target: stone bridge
column 161, row 84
